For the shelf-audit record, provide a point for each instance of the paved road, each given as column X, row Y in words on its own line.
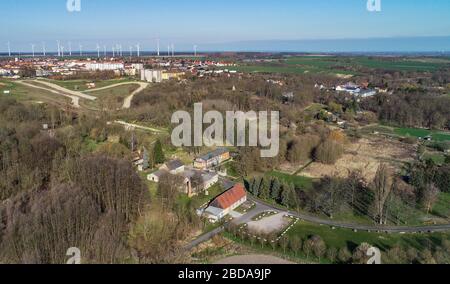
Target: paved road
column 204, row 238
column 357, row 227
column 261, row 207
column 75, row 99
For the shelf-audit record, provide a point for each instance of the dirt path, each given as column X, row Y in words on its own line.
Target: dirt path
column 75, row 99
column 113, row 85
column 66, row 91
column 129, row 99
column 135, row 126
column 127, row 102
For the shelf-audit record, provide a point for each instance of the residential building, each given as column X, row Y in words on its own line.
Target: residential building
column 154, row 76
column 194, row 181
column 223, row 204
column 104, row 66
column 212, row 159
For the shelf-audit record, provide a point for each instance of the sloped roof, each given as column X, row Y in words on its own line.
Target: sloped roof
column 229, row 197
column 174, row 164
column 214, row 154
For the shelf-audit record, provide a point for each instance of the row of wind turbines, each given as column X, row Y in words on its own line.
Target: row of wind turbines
column 116, row 49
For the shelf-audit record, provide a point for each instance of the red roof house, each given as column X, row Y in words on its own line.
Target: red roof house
column 227, row 202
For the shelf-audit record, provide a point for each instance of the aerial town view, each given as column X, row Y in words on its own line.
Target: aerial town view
column 224, row 133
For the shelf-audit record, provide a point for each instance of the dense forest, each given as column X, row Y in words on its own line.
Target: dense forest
column 55, row 194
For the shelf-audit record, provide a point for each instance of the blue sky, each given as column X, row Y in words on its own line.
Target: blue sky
column 214, row 22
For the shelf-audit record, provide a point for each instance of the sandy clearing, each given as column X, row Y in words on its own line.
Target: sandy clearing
column 365, row 155
column 269, row 224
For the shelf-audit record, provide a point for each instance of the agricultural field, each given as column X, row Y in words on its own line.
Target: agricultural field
column 343, row 67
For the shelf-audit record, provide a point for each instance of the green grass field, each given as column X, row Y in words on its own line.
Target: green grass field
column 416, row 132
column 299, row 181
column 340, row 238
column 32, row 95
column 442, row 208
column 112, row 98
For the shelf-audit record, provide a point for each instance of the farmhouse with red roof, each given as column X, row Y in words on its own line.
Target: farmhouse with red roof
column 223, row 204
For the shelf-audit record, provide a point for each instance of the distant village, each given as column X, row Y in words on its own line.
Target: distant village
column 151, row 70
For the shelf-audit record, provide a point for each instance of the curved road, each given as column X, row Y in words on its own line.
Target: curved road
column 75, row 95
column 263, row 207
column 357, row 227
column 127, row 101
column 75, row 99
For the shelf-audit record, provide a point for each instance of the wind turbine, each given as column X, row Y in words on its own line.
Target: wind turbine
column 173, row 50
column 98, row 50
column 81, row 50
column 59, row 48
column 131, row 51
column 104, row 50
column 9, row 49
column 157, row 45
column 32, row 48
column 114, row 51
column 138, row 48
column 195, row 50
column 62, row 50
column 70, row 48
column 168, row 50
column 43, row 49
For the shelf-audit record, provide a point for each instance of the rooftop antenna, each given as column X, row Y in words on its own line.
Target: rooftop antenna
column 9, row 49
column 81, row 50
column 98, row 50
column 43, row 49
column 32, row 48
column 138, row 48
column 59, row 48
column 70, row 48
